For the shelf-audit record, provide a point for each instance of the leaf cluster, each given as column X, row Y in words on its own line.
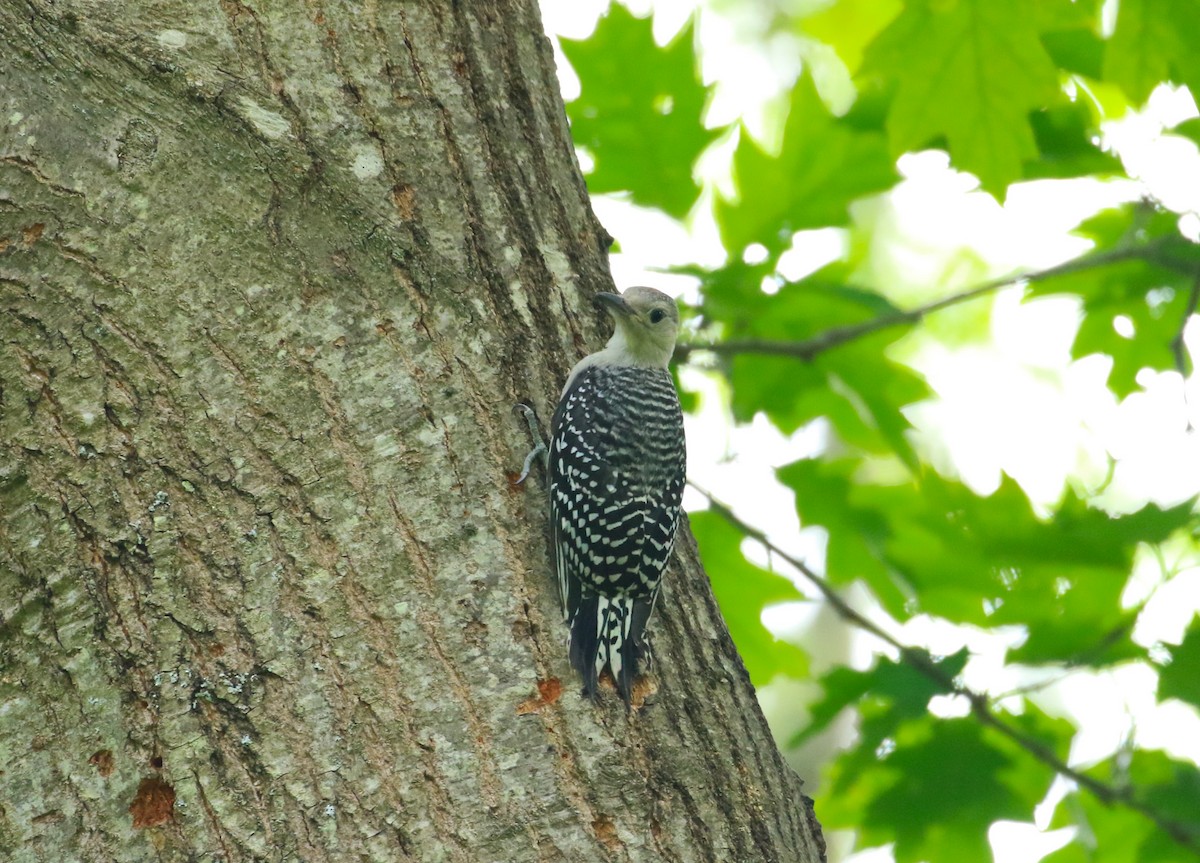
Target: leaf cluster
column 1012, row 92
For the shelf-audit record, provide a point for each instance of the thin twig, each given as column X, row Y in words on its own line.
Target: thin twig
column 1177, row 345
column 840, row 605
column 980, row 706
column 836, row 336
column 1031, row 688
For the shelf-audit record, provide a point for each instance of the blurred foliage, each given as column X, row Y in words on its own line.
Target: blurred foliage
column 822, row 166
column 1012, row 92
column 1153, row 292
column 638, row 98
column 1181, row 679
column 968, row 73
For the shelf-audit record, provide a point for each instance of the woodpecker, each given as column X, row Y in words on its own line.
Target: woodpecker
column 617, row 463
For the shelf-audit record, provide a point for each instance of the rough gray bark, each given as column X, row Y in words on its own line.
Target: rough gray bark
column 271, row 277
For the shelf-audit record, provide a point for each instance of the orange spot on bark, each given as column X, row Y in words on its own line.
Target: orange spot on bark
column 405, row 201
column 154, row 803
column 643, row 687
column 606, row 831
column 103, row 761
column 606, row 681
column 549, row 691
column 33, row 233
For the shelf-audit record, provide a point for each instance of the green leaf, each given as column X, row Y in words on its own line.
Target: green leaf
column 857, row 534
column 904, row 688
column 854, row 386
column 1189, row 129
column 640, row 111
column 1061, row 578
column 969, row 72
column 936, row 787
column 862, row 400
column 1149, row 295
column 1114, row 834
column 824, row 164
column 1168, row 787
column 1107, row 834
column 1057, row 15
column 1066, row 136
column 1078, row 51
column 800, row 310
column 849, row 26
column 1181, row 679
column 932, row 545
column 743, row 590
column 1147, row 300
column 1154, row 41
column 1070, row 34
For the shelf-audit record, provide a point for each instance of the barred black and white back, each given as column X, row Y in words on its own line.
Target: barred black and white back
column 617, row 468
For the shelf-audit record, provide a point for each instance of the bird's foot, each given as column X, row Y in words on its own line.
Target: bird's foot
column 535, row 432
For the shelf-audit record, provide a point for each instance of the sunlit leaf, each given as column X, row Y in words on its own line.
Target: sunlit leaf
column 968, row 72
column 1154, row 41
column 855, row 386
column 640, row 111
column 1058, row 15
column 850, row 25
column 1189, row 129
column 823, row 165
column 1134, row 310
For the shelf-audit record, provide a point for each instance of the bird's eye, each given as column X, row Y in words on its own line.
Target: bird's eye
column 657, row 315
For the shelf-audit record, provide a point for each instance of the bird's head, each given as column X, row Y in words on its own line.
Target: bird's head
column 647, row 322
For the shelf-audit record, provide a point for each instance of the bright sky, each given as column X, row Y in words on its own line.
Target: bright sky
column 1016, row 404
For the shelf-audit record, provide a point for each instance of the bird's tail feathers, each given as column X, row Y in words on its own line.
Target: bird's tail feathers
column 607, row 633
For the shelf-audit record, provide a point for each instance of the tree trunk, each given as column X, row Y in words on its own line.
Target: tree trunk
column 272, row 277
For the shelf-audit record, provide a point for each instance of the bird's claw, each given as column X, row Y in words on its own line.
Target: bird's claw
column 535, row 431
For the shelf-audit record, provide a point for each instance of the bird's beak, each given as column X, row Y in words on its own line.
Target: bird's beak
column 614, row 304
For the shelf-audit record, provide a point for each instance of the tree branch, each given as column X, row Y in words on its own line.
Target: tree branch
column 981, row 707
column 1177, row 345
column 809, row 348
